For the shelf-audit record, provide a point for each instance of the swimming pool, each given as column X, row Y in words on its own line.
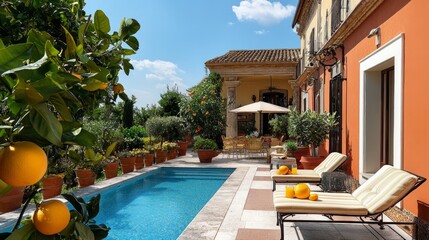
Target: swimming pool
column 160, row 204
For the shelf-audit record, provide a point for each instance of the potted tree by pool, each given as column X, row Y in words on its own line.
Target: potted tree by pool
column 206, row 149
column 311, row 129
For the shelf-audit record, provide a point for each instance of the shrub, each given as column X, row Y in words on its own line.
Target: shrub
column 134, row 137
column 279, row 124
column 204, row 143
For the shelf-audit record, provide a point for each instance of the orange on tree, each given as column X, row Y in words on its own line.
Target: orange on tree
column 302, row 190
column 118, row 88
column 103, row 86
column 313, row 197
column 22, row 164
column 51, row 217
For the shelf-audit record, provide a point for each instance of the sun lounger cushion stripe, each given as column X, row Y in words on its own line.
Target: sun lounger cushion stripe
column 332, row 162
column 385, row 188
column 301, row 176
column 328, row 203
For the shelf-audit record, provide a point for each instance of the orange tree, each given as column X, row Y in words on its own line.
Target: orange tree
column 204, row 109
column 56, row 64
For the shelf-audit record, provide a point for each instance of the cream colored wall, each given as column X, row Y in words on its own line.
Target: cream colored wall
column 252, row 85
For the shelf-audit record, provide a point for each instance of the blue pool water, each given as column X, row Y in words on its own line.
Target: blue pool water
column 160, row 204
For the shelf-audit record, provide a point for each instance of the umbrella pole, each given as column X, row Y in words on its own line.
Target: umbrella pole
column 260, row 122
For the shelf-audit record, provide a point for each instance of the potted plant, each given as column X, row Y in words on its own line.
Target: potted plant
column 140, row 156
column 206, row 149
column 149, row 155
column 58, row 167
column 127, row 161
column 171, row 148
column 311, row 129
column 10, row 197
column 88, row 167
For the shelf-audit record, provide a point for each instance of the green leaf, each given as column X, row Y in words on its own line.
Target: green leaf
column 101, row 23
column 39, row 40
column 2, row 44
column 84, row 231
column 75, row 135
column 61, row 107
column 25, row 93
column 90, row 154
column 69, row 229
column 46, row 124
column 71, row 45
column 29, row 134
column 77, row 204
column 50, row 50
column 48, row 87
column 128, row 27
column 93, row 206
column 101, row 231
column 14, row 56
column 128, row 52
column 80, row 53
column 92, row 66
column 127, row 66
column 92, row 85
column 133, row 43
column 31, row 66
column 110, row 149
column 22, row 233
column 40, row 236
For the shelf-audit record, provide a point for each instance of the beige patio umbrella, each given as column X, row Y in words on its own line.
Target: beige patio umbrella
column 260, row 107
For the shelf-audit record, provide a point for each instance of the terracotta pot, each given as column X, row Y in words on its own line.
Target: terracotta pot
column 148, row 160
column 139, row 164
column 172, row 154
column 206, row 156
column 301, row 151
column 85, row 177
column 160, row 156
column 310, row 162
column 52, row 186
column 11, row 200
column 127, row 164
column 183, row 147
column 111, row 170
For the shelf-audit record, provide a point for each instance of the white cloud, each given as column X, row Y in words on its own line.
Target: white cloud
column 262, row 11
column 261, row 32
column 158, row 69
column 230, row 23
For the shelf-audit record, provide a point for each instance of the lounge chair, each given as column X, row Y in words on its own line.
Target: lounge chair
column 333, row 161
column 379, row 193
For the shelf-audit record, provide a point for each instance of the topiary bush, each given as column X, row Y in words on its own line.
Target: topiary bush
column 311, row 128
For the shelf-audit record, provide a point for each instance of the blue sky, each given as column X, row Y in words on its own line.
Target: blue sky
column 178, row 36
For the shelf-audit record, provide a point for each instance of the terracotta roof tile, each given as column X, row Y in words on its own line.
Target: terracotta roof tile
column 257, row 56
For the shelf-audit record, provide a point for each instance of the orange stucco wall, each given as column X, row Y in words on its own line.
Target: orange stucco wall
column 411, row 18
